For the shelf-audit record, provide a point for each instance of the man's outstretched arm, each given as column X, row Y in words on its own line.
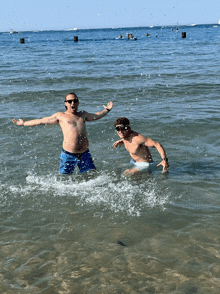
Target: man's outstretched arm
column 50, row 120
column 118, row 143
column 100, row 114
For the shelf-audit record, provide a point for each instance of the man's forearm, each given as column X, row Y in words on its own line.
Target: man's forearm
column 31, row 123
column 161, row 151
column 102, row 113
column 99, row 115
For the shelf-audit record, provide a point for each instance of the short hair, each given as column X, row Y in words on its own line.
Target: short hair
column 71, row 93
column 122, row 121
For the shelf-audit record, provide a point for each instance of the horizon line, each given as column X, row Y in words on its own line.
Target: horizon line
column 109, row 28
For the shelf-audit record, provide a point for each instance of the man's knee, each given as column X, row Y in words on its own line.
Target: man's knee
column 130, row 172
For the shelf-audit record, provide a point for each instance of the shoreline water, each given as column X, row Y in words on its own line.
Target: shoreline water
column 65, row 234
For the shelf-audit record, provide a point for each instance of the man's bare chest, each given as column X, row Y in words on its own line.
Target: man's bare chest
column 135, row 148
column 74, row 121
column 131, row 147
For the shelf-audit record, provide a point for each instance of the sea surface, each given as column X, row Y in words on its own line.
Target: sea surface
column 101, row 232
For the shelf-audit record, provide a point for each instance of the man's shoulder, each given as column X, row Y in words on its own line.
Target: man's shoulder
column 82, row 112
column 58, row 114
column 136, row 135
column 139, row 137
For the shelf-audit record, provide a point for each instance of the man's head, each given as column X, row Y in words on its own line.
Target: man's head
column 71, row 101
column 122, row 126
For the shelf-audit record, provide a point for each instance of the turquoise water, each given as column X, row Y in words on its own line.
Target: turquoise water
column 66, row 234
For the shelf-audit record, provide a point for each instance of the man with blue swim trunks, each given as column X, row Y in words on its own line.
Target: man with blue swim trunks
column 75, row 149
column 138, row 147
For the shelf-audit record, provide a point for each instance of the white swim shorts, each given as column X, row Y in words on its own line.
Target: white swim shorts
column 143, row 166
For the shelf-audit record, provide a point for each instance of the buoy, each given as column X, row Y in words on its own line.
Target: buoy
column 22, row 40
column 183, row 34
column 75, row 38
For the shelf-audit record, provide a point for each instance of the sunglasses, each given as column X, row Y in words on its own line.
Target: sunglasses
column 73, row 100
column 124, row 128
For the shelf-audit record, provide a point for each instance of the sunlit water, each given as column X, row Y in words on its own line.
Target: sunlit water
column 101, row 232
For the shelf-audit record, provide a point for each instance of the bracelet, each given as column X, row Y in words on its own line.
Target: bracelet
column 108, row 109
column 165, row 158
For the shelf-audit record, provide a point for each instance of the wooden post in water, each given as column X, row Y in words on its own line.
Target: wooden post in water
column 22, row 40
column 183, row 34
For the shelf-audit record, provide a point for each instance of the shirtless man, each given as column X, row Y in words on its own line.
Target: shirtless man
column 75, row 142
column 137, row 145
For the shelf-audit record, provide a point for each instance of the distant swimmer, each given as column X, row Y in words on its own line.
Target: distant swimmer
column 75, row 149
column 130, row 36
column 147, row 35
column 138, row 147
column 120, row 37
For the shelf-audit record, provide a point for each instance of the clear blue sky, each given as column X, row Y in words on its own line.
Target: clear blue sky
column 25, row 15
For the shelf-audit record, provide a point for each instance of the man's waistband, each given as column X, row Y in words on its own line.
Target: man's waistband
column 74, row 154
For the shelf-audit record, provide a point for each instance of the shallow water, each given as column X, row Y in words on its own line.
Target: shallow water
column 102, row 232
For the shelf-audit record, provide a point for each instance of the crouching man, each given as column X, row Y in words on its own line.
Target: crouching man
column 138, row 147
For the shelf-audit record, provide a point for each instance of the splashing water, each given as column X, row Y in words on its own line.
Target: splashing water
column 103, row 190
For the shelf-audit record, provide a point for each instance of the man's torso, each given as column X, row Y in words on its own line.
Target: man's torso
column 74, row 131
column 138, row 151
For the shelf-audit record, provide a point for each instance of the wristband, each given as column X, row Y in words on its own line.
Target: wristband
column 165, row 158
column 107, row 109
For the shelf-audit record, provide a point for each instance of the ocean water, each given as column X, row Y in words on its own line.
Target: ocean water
column 101, row 232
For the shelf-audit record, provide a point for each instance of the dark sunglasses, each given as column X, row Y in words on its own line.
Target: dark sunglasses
column 73, row 100
column 124, row 128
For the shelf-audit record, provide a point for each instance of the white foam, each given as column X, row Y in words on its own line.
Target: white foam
column 107, row 191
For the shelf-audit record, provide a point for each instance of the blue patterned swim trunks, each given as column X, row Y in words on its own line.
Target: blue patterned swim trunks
column 68, row 161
